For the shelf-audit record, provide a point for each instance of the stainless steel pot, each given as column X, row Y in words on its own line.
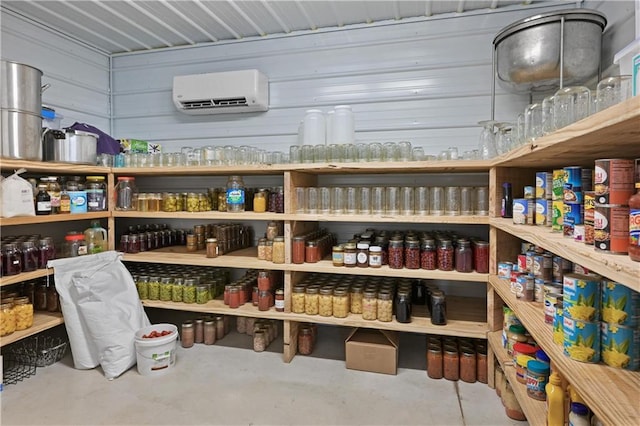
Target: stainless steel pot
column 21, row 88
column 75, row 147
column 20, row 135
column 550, row 50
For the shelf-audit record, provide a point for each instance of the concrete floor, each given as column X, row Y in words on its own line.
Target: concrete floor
column 228, row 383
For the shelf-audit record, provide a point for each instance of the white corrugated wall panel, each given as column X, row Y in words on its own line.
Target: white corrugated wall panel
column 78, row 75
column 427, row 81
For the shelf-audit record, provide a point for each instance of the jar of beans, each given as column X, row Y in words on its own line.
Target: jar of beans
column 464, row 256
column 481, row 256
column 445, row 255
column 428, row 256
column 396, row 254
column 412, row 254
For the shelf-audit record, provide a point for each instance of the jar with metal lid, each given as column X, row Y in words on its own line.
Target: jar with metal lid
column 209, row 331
column 154, row 287
column 188, row 291
column 198, row 330
column 337, row 255
column 234, row 296
column 325, row 302
column 53, row 300
column 7, row 319
column 170, row 202
column 235, row 194
column 126, row 193
column 96, row 194
column 403, row 306
column 370, row 305
column 279, row 300
column 298, row 299
column 278, row 250
column 74, row 244
column 23, row 310
column 362, row 255
column 202, row 294
column 468, row 365
column 142, row 285
column 340, row 303
column 438, row 308
column 30, row 255
column 451, row 363
column 166, row 289
column 259, row 341
column 260, row 202
column 268, row 251
column 305, row 341
column 276, row 200
column 264, row 299
column 11, row 259
column 298, row 250
column 375, row 256
column 412, row 254
column 43, row 199
column 350, row 255
column 311, row 300
column 396, row 254
column 262, row 247
column 212, row 247
column 445, row 255
column 434, row 361
column 311, row 252
column 463, row 256
column 355, row 299
column 46, row 252
column 385, row 306
column 192, row 205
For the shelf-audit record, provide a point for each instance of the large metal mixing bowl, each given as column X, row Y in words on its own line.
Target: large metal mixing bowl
column 530, row 53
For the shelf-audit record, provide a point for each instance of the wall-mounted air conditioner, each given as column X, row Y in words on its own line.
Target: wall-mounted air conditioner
column 221, row 92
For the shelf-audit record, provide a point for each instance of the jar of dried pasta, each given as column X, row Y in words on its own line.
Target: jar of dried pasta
column 7, row 319
column 369, row 305
column 355, row 299
column 325, row 302
column 311, row 300
column 23, row 311
column 385, row 306
column 297, row 299
column 340, row 303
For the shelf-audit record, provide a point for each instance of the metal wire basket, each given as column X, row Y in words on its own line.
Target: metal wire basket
column 16, row 368
column 45, row 350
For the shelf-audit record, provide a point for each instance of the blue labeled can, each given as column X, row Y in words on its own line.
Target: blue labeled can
column 620, row 304
column 620, row 346
column 581, row 297
column 520, row 211
column 572, row 217
column 544, row 185
column 572, row 190
column 581, row 339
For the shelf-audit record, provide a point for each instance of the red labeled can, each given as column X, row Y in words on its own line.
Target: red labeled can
column 611, row 228
column 613, row 183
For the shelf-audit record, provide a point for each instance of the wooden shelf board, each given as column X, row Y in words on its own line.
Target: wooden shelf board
column 52, row 218
column 387, row 167
column 616, row 267
column 25, row 276
column 610, row 392
column 48, row 167
column 41, row 321
column 471, row 220
column 612, row 133
column 210, row 215
column 467, row 317
column 248, row 169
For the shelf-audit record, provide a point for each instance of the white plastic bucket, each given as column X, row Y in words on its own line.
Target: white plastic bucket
column 155, row 356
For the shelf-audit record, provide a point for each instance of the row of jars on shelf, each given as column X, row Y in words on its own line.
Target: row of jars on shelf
column 457, row 359
column 25, row 254
column 263, row 331
column 207, row 330
column 59, row 194
column 262, row 289
column 394, row 200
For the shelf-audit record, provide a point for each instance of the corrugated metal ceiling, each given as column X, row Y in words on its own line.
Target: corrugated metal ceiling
column 120, row 26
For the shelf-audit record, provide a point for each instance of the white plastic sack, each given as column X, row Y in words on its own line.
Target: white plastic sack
column 17, row 196
column 102, row 311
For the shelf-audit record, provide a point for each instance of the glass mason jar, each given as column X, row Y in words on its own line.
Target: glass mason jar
column 305, row 341
column 260, row 202
column 396, row 254
column 481, row 201
column 403, row 306
column 428, row 255
column 337, row 255
column 126, row 193
column 325, row 302
column 436, row 200
column 235, row 194
column 166, row 289
column 278, row 250
column 154, row 287
column 438, row 308
column 340, row 303
column 370, row 305
column 30, row 255
column 464, row 256
column 452, row 201
column 142, row 285
column 297, row 299
column 7, row 319
column 434, row 361
column 177, row 291
column 392, row 195
column 481, row 256
column 311, row 300
column 385, row 306
column 451, row 363
column 189, row 291
column 350, row 255
column 362, row 255
column 96, row 194
column 467, row 202
column 412, row 254
column 11, row 259
column 445, row 255
column 356, row 293
column 262, row 247
column 23, row 310
column 311, row 251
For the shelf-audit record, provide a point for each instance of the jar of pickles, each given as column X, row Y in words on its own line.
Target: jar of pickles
column 177, row 290
column 369, row 305
column 170, row 202
column 7, row 319
column 142, row 285
column 340, row 303
column 154, row 288
column 325, row 302
column 385, row 306
column 297, row 299
column 189, row 291
column 23, row 310
column 202, row 294
column 166, row 289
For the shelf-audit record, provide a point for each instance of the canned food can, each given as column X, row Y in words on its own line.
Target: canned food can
column 557, row 188
column 544, row 185
column 614, row 180
column 531, row 211
column 529, row 261
column 537, row 265
column 579, row 269
column 547, row 266
column 572, row 217
column 538, row 290
column 544, row 212
column 581, row 339
column 572, row 192
column 578, row 233
column 620, row 346
column 589, row 215
column 516, row 285
column 525, row 287
column 550, row 301
column 587, row 179
column 529, row 192
column 520, row 211
column 558, row 326
column 526, row 246
column 581, row 297
column 557, row 215
column 611, row 228
column 560, row 266
column 620, row 304
column 504, row 270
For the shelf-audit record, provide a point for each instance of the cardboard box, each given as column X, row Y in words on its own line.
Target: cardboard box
column 372, row 350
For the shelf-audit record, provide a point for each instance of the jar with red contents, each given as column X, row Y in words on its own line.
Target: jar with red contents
column 445, row 255
column 254, row 296
column 396, row 254
column 264, row 300
column 298, row 250
column 481, row 257
column 264, row 280
column 412, row 254
column 464, row 256
column 311, row 252
column 428, row 255
column 234, row 296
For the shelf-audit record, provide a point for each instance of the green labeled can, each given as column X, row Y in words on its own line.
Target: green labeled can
column 581, row 339
column 620, row 346
column 581, row 297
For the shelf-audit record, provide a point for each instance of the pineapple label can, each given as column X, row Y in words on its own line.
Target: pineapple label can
column 581, row 297
column 581, row 339
column 620, row 346
column 611, row 228
column 613, row 183
column 620, row 304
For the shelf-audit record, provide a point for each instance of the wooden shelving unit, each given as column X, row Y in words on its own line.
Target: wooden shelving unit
column 53, row 218
column 25, row 276
column 616, row 267
column 466, row 317
column 465, row 220
column 610, row 392
column 49, row 167
column 210, row 215
column 41, row 321
column 534, row 410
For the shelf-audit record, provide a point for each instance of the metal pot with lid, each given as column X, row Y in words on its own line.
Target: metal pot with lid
column 70, row 146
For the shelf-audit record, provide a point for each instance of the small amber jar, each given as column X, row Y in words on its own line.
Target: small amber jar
column 277, row 255
column 311, row 252
column 297, row 299
column 311, row 300
column 297, row 250
column 212, row 247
